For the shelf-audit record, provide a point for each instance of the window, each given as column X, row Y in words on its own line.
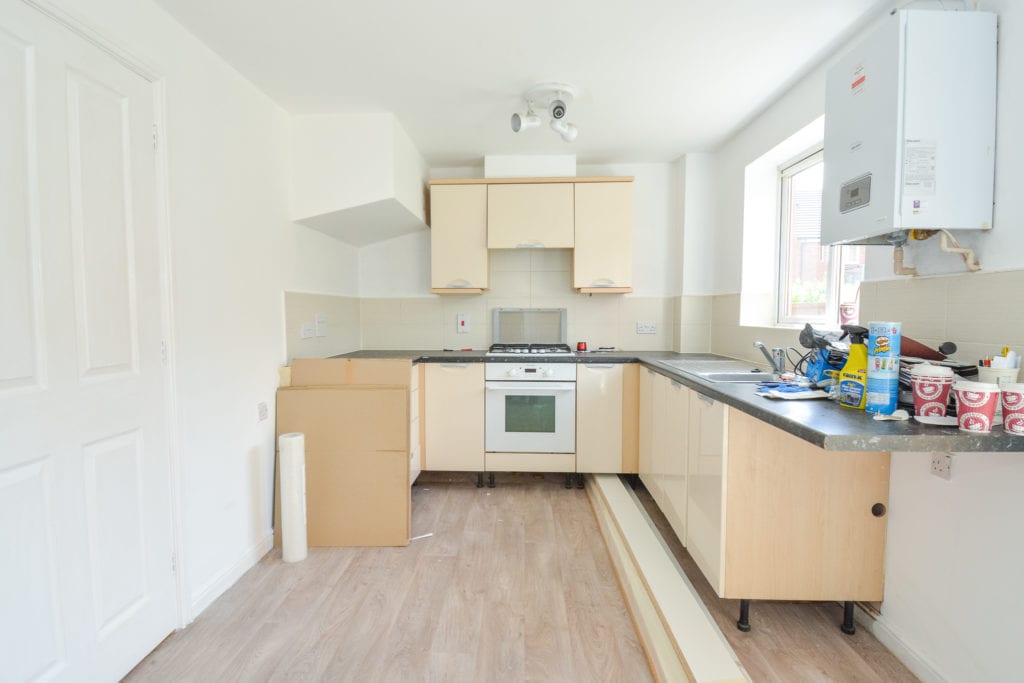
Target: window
column 817, row 284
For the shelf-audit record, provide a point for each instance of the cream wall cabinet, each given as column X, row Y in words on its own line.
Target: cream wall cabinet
column 454, row 416
column 606, row 418
column 458, row 239
column 602, row 260
column 536, row 215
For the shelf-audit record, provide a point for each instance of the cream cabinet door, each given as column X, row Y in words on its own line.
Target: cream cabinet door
column 706, row 487
column 530, row 215
column 599, row 418
column 454, row 415
column 603, row 255
column 645, row 437
column 458, row 237
column 675, row 416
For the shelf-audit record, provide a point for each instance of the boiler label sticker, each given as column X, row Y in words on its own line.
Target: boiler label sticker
column 857, row 80
column 919, row 167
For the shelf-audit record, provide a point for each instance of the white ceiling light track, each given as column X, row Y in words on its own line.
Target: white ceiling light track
column 554, row 98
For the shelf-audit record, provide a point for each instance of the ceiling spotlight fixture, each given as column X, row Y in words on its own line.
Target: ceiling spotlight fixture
column 555, row 98
column 567, row 130
column 521, row 122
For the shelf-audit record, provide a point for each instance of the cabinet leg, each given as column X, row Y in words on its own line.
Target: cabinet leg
column 479, row 480
column 848, row 627
column 568, row 481
column 579, row 481
column 633, row 480
column 744, row 621
column 490, row 480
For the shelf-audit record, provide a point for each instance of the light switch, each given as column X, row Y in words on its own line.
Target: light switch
column 320, row 324
column 462, row 323
column 307, row 330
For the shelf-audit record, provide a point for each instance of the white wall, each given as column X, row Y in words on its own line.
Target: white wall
column 234, row 252
column 1001, row 248
column 953, row 564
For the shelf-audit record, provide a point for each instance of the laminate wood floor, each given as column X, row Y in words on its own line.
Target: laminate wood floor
column 789, row 641
column 514, row 585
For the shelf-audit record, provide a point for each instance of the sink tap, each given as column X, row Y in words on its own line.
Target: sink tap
column 776, row 357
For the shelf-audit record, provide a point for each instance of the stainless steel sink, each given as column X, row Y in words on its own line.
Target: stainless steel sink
column 749, row 376
column 724, row 370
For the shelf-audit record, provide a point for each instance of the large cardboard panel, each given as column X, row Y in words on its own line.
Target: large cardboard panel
column 383, row 371
column 311, row 372
column 319, row 372
column 345, row 418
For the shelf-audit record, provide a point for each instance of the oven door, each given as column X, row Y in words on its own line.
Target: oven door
column 531, row 417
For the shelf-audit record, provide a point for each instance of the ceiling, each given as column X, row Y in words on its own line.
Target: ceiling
column 658, row 78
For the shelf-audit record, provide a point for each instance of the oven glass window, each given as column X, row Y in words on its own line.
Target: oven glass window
column 535, row 414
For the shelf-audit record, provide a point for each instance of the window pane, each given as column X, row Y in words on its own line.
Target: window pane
column 806, row 263
column 851, row 274
column 530, row 414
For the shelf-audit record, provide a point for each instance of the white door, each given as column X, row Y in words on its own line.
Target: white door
column 86, row 582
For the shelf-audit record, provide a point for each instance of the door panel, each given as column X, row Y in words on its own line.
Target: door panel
column 20, row 287
column 101, row 225
column 84, row 486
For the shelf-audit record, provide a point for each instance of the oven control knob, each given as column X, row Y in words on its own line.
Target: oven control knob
column 548, row 372
column 514, row 372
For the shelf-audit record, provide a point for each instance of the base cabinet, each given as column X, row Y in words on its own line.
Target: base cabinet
column 606, row 418
column 454, row 416
column 664, row 450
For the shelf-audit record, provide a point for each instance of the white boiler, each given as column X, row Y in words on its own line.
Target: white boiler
column 910, row 128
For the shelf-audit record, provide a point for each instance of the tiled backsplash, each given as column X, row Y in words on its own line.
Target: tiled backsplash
column 341, row 333
column 978, row 311
column 524, row 278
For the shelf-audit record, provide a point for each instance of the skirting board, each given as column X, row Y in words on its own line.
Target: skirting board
column 214, row 588
column 680, row 638
column 918, row 665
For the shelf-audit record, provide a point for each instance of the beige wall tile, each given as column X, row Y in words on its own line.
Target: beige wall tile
column 542, row 260
column 510, row 283
column 598, row 334
column 695, row 309
column 343, row 324
column 380, row 310
column 502, row 260
column 694, row 338
column 426, row 311
column 550, row 283
column 598, row 308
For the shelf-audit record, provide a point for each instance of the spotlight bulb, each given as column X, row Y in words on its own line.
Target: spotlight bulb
column 521, row 122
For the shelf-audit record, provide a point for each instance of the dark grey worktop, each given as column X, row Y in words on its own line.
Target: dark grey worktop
column 820, row 422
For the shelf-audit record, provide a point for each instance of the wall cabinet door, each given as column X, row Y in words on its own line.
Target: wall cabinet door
column 454, row 416
column 458, row 238
column 599, row 418
column 603, row 256
column 530, row 215
column 706, row 486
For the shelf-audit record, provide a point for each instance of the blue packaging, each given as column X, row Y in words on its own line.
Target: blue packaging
column 883, row 385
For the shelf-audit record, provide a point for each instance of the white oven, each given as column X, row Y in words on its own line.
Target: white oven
column 531, row 408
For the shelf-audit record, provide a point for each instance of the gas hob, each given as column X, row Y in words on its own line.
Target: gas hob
column 530, row 350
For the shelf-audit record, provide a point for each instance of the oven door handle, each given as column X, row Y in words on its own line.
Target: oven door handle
column 531, row 387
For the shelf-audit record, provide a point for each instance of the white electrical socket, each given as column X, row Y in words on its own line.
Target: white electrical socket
column 942, row 465
column 320, row 324
column 462, row 323
column 306, row 331
column 261, row 411
column 646, row 328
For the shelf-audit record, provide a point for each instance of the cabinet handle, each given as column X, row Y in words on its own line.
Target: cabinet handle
column 454, row 365
column 530, row 245
column 599, row 365
column 459, row 284
column 706, row 399
column 878, row 510
column 603, row 282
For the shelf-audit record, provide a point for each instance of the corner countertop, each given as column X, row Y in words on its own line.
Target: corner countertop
column 819, row 422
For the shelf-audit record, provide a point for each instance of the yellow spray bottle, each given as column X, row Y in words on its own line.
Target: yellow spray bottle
column 853, row 377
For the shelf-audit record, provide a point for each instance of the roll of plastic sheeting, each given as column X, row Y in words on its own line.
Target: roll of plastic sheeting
column 293, row 496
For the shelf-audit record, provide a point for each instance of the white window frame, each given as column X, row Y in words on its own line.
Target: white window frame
column 803, row 161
